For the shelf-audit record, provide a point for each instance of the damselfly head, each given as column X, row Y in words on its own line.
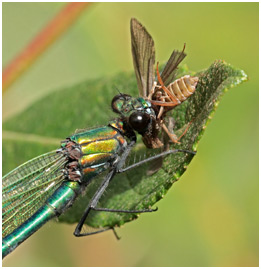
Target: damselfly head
column 140, row 116
column 125, row 105
column 119, row 103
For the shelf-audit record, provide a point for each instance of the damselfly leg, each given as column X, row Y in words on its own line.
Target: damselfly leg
column 115, row 170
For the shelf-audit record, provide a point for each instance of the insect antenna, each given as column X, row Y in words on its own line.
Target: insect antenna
column 120, row 93
column 117, row 89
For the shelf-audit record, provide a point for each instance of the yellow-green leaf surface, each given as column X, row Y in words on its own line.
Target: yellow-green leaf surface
column 87, row 105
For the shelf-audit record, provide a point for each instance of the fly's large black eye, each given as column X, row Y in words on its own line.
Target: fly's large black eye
column 139, row 121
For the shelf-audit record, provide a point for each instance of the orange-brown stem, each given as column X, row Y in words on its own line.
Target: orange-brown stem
column 42, row 41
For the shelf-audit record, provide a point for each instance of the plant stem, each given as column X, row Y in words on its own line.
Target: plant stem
column 56, row 27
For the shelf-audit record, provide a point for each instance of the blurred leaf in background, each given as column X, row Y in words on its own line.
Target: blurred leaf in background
column 210, row 217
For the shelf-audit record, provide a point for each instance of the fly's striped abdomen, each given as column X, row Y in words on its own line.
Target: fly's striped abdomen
column 54, row 206
column 183, row 87
column 166, row 98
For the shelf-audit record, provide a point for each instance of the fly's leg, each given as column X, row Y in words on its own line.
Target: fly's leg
column 185, row 130
column 152, row 91
column 174, row 100
column 171, row 134
column 172, row 137
column 157, row 164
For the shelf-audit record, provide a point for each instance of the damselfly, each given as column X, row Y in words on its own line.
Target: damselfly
column 47, row 186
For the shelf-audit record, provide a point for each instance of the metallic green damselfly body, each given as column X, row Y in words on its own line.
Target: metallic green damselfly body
column 46, row 186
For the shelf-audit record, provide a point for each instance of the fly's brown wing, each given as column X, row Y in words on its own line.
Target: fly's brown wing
column 169, row 72
column 143, row 53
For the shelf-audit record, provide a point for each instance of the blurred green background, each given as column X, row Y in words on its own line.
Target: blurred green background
column 210, row 216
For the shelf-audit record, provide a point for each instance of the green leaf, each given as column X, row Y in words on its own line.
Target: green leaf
column 53, row 118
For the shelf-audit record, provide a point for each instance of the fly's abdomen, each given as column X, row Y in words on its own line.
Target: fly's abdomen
column 183, row 87
column 98, row 149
